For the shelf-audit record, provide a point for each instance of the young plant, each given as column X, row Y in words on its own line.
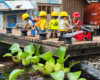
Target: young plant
column 66, row 70
column 15, row 48
column 26, row 56
column 35, row 59
column 15, row 73
column 75, row 76
column 50, row 65
column 59, row 75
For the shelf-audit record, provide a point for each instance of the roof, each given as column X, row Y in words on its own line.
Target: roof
column 16, row 5
column 85, row 1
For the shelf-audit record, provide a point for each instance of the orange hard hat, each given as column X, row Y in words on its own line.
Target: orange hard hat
column 76, row 14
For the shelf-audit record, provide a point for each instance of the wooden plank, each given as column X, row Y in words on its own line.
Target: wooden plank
column 68, row 6
column 22, row 43
column 45, row 48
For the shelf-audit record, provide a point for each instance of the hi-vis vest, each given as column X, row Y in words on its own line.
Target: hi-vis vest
column 74, row 23
column 54, row 24
column 67, row 20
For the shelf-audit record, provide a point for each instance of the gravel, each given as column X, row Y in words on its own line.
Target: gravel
column 91, row 60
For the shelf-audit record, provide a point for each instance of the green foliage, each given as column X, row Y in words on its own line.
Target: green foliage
column 50, row 62
column 51, row 67
column 16, row 45
column 59, row 75
column 46, row 56
column 82, row 79
column 28, row 52
column 24, row 62
column 16, row 49
column 74, row 76
column 25, row 55
column 37, row 50
column 16, row 59
column 15, row 73
column 61, row 52
column 7, row 55
column 29, row 49
column 34, row 59
column 74, row 63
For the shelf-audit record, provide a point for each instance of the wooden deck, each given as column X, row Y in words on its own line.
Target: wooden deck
column 51, row 44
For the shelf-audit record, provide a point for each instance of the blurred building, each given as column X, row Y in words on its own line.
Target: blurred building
column 11, row 12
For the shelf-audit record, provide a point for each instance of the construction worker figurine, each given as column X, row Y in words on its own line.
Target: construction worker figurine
column 37, row 20
column 76, row 16
column 54, row 24
column 43, row 22
column 26, row 17
column 64, row 26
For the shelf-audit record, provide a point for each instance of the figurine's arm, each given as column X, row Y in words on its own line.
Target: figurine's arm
column 36, row 24
column 70, row 26
column 50, row 25
column 67, row 24
column 42, row 28
column 32, row 27
column 25, row 26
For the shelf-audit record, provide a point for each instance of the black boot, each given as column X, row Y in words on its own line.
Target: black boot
column 56, row 35
column 51, row 35
column 60, row 38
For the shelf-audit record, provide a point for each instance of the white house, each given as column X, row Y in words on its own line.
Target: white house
column 11, row 12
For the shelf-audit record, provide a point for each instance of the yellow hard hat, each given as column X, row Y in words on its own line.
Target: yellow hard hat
column 43, row 13
column 54, row 13
column 24, row 16
column 64, row 14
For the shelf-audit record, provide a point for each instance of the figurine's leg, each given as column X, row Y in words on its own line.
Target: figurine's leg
column 43, row 31
column 32, row 33
column 56, row 34
column 61, row 36
column 51, row 36
column 37, row 30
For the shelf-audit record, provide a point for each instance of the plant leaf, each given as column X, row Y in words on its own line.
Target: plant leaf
column 29, row 49
column 16, row 45
column 82, row 79
column 15, row 73
column 34, row 59
column 36, row 67
column 59, row 75
column 52, row 60
column 37, row 50
column 67, row 57
column 74, row 63
column 60, row 61
column 61, row 52
column 25, row 55
column 16, row 49
column 74, row 76
column 66, row 70
column 7, row 55
column 19, row 54
column 46, row 56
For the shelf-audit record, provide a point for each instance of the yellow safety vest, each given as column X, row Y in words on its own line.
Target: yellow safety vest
column 54, row 24
column 67, row 20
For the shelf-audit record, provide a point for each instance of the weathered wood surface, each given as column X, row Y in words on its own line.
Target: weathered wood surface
column 75, row 49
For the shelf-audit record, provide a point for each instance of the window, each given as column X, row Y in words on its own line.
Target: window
column 48, row 9
column 12, row 20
